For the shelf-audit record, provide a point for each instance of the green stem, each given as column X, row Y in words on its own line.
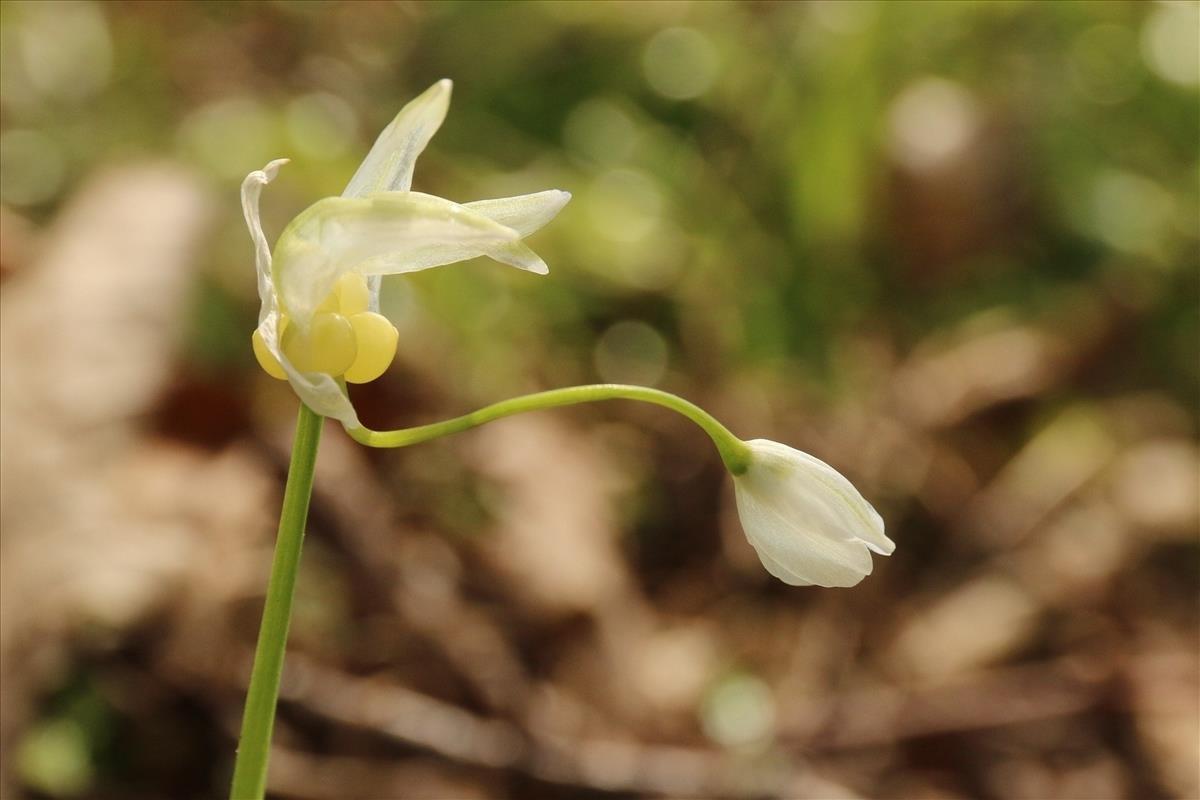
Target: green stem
column 734, row 451
column 258, row 719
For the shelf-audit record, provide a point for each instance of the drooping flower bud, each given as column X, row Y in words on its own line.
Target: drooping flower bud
column 808, row 524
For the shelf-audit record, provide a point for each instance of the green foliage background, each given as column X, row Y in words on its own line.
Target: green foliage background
column 786, row 211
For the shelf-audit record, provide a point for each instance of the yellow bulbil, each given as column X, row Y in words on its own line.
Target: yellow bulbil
column 376, row 346
column 342, row 339
column 349, row 296
column 353, row 295
column 329, row 305
column 265, row 358
column 328, row 345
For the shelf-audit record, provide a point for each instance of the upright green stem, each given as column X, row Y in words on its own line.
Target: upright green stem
column 258, row 719
column 734, row 451
column 250, row 767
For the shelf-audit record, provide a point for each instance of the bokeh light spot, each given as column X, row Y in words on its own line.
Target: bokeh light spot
column 601, row 131
column 1131, row 213
column 739, row 711
column 838, row 16
column 624, row 205
column 227, row 135
column 54, row 758
column 680, row 63
column 1171, row 43
column 65, row 48
column 631, row 352
column 930, row 123
column 321, row 125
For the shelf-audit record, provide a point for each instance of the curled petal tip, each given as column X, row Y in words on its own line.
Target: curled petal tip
column 267, row 173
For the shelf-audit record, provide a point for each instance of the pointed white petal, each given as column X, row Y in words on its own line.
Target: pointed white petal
column 854, row 511
column 382, row 234
column 524, row 214
column 780, row 571
column 816, row 490
column 389, row 165
column 518, row 254
column 789, row 545
column 251, row 189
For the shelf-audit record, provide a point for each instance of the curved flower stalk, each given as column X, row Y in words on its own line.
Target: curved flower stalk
column 808, row 524
column 319, row 323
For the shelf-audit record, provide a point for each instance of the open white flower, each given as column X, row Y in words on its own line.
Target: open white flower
column 808, row 524
column 319, row 323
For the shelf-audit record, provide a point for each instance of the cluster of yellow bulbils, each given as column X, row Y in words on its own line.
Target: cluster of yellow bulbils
column 345, row 339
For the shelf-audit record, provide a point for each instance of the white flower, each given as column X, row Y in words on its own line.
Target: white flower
column 807, row 523
column 319, row 323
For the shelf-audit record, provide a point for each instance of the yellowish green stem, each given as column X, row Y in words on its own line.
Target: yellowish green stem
column 258, row 718
column 258, row 721
column 734, row 452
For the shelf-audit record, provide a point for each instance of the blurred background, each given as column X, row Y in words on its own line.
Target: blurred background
column 950, row 248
